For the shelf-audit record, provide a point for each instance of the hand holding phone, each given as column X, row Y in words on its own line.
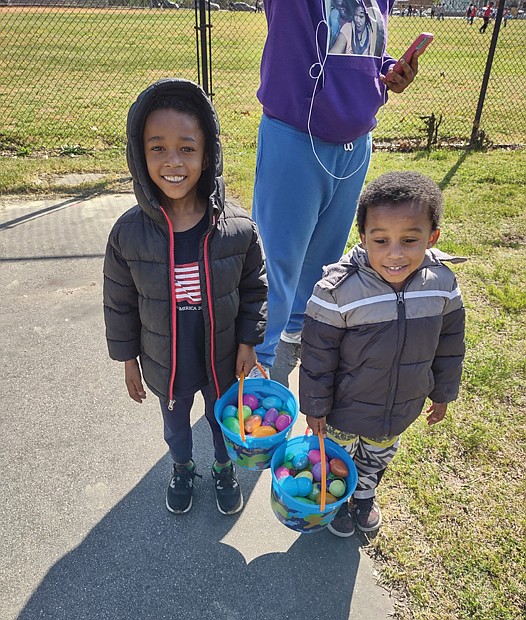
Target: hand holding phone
column 420, row 44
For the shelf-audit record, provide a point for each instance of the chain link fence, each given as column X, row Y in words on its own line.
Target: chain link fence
column 70, row 70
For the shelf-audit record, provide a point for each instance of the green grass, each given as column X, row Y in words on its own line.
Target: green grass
column 453, row 539
column 68, row 76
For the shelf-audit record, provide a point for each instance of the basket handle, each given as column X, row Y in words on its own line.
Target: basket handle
column 323, row 473
column 240, row 406
column 262, row 370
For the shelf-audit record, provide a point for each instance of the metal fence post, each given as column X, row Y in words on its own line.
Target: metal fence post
column 204, row 45
column 487, row 71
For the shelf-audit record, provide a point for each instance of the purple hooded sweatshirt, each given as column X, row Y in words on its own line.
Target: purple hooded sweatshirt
column 334, row 97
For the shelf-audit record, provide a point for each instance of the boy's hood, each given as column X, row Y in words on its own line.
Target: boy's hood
column 211, row 182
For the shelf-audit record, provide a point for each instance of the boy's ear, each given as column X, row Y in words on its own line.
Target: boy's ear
column 362, row 238
column 433, row 238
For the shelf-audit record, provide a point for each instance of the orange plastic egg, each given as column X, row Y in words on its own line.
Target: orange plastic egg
column 339, row 468
column 263, row 431
column 252, row 422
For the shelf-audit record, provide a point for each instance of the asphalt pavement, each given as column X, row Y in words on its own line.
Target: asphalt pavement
column 84, row 530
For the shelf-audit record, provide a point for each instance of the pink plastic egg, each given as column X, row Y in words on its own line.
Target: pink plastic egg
column 282, row 472
column 314, row 456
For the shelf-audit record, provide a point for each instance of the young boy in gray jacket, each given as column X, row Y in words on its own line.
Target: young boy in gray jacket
column 384, row 330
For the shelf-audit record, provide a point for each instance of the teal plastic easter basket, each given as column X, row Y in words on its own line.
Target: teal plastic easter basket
column 295, row 514
column 255, row 453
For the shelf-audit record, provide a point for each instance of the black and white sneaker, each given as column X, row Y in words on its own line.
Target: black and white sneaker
column 228, row 493
column 180, row 490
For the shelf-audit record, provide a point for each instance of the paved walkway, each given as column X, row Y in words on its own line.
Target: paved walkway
column 85, row 534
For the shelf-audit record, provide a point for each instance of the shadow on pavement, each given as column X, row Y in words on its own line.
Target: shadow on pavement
column 141, row 562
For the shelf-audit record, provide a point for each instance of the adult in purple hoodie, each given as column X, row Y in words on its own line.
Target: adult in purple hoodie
column 314, row 147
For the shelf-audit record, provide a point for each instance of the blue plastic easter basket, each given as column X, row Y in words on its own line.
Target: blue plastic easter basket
column 255, row 452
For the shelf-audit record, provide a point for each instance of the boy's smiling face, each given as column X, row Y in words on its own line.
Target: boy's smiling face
column 175, row 152
column 396, row 238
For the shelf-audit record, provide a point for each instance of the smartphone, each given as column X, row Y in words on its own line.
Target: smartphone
column 420, row 44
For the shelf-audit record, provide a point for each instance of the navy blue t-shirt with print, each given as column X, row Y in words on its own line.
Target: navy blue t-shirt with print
column 190, row 374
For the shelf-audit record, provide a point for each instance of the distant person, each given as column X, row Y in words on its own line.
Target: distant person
column 473, row 14
column 184, row 279
column 486, row 16
column 384, row 330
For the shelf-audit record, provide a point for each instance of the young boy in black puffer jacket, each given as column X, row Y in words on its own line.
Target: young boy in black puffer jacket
column 185, row 285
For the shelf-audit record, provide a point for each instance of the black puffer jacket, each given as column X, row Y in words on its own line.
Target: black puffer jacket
column 139, row 306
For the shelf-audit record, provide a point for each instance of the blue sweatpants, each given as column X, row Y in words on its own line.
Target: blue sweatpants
column 304, row 216
column 178, row 430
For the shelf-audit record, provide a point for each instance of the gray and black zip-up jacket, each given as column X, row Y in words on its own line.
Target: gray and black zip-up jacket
column 371, row 356
column 139, row 288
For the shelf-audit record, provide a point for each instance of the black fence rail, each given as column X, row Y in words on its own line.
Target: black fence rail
column 69, row 70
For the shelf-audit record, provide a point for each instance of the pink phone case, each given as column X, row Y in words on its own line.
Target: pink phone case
column 420, row 43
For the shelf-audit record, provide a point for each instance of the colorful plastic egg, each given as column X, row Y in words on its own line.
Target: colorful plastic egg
column 339, row 468
column 252, row 422
column 247, row 411
column 271, row 401
column 300, row 460
column 315, row 491
column 304, row 474
column 260, row 411
column 304, row 486
column 289, row 485
column 281, row 472
column 232, row 425
column 271, row 415
column 304, row 500
column 316, row 471
column 265, row 423
column 251, row 400
column 229, row 412
column 337, row 487
column 283, row 421
column 314, row 456
column 263, row 431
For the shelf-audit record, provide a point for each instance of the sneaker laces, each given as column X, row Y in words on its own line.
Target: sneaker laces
column 183, row 478
column 226, row 478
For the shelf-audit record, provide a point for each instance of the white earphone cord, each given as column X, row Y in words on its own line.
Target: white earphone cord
column 321, row 64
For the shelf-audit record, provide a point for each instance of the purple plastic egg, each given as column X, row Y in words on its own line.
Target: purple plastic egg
column 283, row 421
column 316, row 471
column 271, row 415
column 267, row 423
column 251, row 401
